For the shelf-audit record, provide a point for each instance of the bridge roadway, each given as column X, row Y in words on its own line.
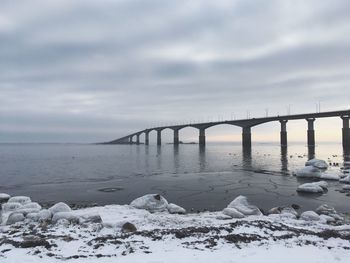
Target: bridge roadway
column 246, row 125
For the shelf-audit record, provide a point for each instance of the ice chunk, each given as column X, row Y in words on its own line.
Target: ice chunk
column 308, row 172
column 320, row 164
column 8, row 207
column 310, row 216
column 14, row 218
column 175, row 209
column 151, row 202
column 346, row 187
column 59, row 207
column 19, row 199
column 242, row 205
column 33, row 216
column 32, row 205
column 70, row 216
column 316, row 187
column 232, row 212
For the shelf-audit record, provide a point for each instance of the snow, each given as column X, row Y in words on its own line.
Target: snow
column 346, row 187
column 14, row 218
column 320, row 164
column 308, row 172
column 330, row 176
column 232, row 212
column 151, row 202
column 316, row 187
column 96, row 234
column 8, row 207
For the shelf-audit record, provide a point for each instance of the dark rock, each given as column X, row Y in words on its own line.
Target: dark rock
column 129, row 228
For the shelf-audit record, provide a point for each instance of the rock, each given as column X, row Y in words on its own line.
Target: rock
column 327, row 219
column 242, row 205
column 151, row 202
column 19, row 199
column 232, row 212
column 274, row 211
column 8, row 207
column 45, row 215
column 316, row 187
column 69, row 216
column 282, row 210
column 310, row 216
column 33, row 216
column 320, row 164
column 4, row 198
column 329, row 176
column 175, row 209
column 32, row 205
column 91, row 218
column 26, row 211
column 346, row 187
column 325, row 210
column 308, row 172
column 59, row 207
column 14, row 218
column 129, row 228
column 345, row 180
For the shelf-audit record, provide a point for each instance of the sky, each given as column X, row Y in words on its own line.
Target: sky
column 90, row 71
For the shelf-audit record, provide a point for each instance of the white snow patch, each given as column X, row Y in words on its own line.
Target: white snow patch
column 320, row 164
column 316, row 187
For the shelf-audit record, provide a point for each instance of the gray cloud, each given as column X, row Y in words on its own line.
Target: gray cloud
column 102, row 69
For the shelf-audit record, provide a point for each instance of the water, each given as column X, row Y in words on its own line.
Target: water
column 188, row 175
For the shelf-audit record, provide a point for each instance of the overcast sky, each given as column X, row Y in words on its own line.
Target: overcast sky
column 86, row 71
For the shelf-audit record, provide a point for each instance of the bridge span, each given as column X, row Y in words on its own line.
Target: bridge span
column 246, row 125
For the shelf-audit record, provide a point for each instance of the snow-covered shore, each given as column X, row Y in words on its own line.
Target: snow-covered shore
column 103, row 234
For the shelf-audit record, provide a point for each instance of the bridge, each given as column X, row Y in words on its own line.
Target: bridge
column 246, row 125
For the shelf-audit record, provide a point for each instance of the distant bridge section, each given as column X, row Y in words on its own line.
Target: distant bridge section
column 246, row 125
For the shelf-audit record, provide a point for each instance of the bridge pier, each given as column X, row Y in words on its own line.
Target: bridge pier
column 137, row 138
column 159, row 137
column 201, row 136
column 310, row 132
column 130, row 139
column 176, row 137
column 346, row 132
column 146, row 138
column 283, row 134
column 246, row 137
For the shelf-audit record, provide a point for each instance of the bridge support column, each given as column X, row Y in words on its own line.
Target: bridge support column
column 138, row 139
column 283, row 133
column 176, row 137
column 346, row 132
column 159, row 137
column 130, row 139
column 310, row 132
column 201, row 136
column 246, row 137
column 146, row 138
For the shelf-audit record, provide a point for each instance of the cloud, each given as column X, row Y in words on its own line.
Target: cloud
column 107, row 68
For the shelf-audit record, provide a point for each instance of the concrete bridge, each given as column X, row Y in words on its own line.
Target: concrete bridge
column 246, row 125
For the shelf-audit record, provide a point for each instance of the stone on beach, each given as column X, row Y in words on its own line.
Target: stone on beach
column 308, row 172
column 316, row 187
column 326, row 210
column 346, row 187
column 14, row 218
column 4, row 197
column 151, row 203
column 175, row 209
column 282, row 210
column 320, row 164
column 242, row 205
column 44, row 215
column 330, row 176
column 20, row 199
column 345, row 180
column 8, row 207
column 59, row 207
column 69, row 216
column 232, row 212
column 310, row 216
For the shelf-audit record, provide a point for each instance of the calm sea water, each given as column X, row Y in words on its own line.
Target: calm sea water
column 193, row 177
